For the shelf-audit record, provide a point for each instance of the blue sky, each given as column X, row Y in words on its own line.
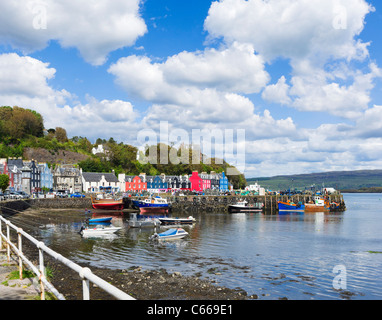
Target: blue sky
column 302, row 78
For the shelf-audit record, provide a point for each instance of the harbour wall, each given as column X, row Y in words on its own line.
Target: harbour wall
column 179, row 203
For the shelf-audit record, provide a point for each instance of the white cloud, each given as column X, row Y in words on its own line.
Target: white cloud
column 95, row 28
column 292, row 28
column 24, row 82
column 278, row 93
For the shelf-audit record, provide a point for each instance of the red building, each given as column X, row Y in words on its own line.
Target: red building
column 135, row 184
column 196, row 182
column 4, row 170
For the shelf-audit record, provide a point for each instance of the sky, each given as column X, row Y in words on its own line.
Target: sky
column 301, row 79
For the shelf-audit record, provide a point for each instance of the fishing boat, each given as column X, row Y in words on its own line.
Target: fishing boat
column 245, row 207
column 99, row 230
column 318, row 204
column 107, row 204
column 103, row 220
column 173, row 233
column 290, row 206
column 157, row 202
column 176, row 221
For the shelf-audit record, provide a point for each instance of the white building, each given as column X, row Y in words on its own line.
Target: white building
column 100, row 182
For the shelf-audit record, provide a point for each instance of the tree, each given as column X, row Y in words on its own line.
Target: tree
column 4, row 182
column 61, row 135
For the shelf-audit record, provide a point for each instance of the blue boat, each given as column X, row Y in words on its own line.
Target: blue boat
column 156, row 202
column 177, row 233
column 290, row 206
column 97, row 220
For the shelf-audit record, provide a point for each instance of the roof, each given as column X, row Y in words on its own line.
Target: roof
column 97, row 176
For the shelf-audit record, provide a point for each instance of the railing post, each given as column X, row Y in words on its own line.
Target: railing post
column 85, row 284
column 20, row 253
column 1, row 238
column 8, row 244
column 42, row 269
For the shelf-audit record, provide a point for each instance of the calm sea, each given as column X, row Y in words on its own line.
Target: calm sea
column 297, row 256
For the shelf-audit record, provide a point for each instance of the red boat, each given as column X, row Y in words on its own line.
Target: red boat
column 107, row 204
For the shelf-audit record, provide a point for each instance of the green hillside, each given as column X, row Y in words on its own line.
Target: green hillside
column 340, row 180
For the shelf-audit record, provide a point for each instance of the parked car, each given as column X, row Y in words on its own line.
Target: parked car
column 77, row 195
column 2, row 196
column 61, row 194
column 23, row 194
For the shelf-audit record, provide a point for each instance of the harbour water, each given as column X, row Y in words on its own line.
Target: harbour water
column 296, row 256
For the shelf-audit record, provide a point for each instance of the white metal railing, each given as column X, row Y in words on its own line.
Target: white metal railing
column 85, row 273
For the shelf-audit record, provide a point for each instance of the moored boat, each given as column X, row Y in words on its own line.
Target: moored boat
column 290, row 206
column 107, row 204
column 157, row 202
column 245, row 207
column 176, row 221
column 99, row 230
column 103, row 219
column 173, row 233
column 318, row 204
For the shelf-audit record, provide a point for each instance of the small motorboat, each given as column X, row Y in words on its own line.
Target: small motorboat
column 244, row 206
column 173, row 233
column 176, row 221
column 97, row 220
column 99, row 230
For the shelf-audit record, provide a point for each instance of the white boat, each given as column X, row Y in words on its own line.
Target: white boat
column 98, row 230
column 176, row 221
column 173, row 233
column 244, row 206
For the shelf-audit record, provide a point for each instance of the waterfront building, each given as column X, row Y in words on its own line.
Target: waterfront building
column 156, row 183
column 100, row 182
column 4, row 169
column 196, row 182
column 67, row 177
column 46, row 175
column 223, row 183
column 35, row 176
column 135, row 183
column 206, row 181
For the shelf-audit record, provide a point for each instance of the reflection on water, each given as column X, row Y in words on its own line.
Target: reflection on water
column 290, row 255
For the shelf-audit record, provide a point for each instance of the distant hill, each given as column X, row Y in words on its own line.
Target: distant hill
column 340, row 180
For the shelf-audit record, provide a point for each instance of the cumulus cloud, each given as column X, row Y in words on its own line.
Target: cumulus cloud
column 292, row 28
column 234, row 69
column 95, row 28
column 24, row 82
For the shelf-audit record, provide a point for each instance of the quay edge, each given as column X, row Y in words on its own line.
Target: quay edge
column 179, row 203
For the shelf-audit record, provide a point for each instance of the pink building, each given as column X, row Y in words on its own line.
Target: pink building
column 196, row 182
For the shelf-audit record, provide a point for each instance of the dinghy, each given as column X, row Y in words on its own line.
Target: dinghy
column 173, row 233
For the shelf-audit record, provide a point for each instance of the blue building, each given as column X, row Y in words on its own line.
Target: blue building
column 223, row 182
column 157, row 183
column 46, row 176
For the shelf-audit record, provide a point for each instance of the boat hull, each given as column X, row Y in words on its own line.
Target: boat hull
column 99, row 231
column 153, row 210
column 108, row 206
column 176, row 221
column 238, row 209
column 315, row 208
column 289, row 207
